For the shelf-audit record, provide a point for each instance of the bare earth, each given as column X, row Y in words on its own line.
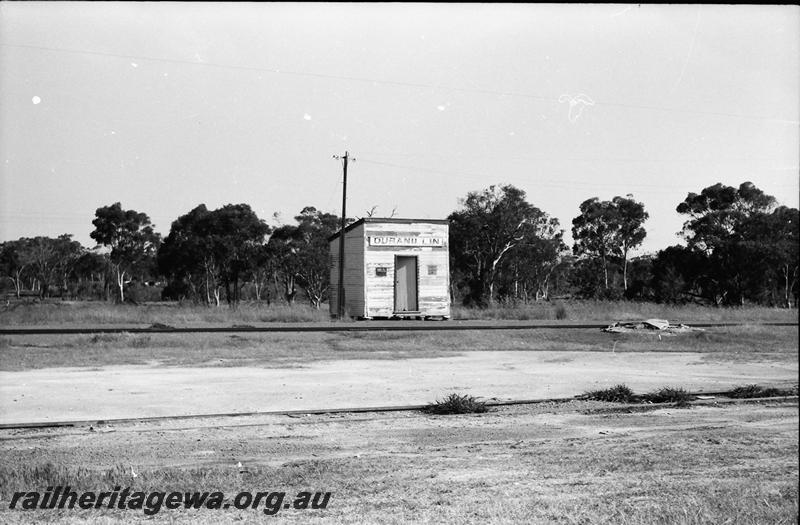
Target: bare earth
column 579, row 462
column 140, row 391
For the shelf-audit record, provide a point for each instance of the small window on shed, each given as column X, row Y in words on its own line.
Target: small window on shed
column 380, row 271
column 431, row 269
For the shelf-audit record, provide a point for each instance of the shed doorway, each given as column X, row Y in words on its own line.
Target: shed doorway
column 405, row 284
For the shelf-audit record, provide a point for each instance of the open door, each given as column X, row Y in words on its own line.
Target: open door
column 405, row 284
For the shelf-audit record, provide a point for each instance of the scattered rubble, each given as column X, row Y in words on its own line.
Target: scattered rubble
column 659, row 326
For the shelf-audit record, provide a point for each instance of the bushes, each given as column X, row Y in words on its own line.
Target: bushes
column 751, row 391
column 456, row 404
column 561, row 312
column 622, row 394
column 678, row 396
column 616, row 394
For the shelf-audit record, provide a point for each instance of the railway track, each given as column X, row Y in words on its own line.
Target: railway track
column 703, row 398
column 362, row 326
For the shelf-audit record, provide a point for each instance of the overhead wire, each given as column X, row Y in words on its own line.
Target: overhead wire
column 416, row 85
column 279, row 71
column 561, row 183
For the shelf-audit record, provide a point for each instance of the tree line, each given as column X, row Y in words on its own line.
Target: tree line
column 741, row 247
column 209, row 256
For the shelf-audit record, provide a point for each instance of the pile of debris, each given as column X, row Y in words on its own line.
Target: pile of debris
column 659, row 326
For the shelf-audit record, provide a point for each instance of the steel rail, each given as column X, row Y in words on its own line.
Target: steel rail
column 428, row 326
column 379, row 409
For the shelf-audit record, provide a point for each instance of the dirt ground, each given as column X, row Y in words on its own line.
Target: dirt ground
column 576, row 462
column 108, row 392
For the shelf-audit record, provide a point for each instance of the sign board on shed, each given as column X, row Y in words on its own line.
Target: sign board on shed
column 418, row 240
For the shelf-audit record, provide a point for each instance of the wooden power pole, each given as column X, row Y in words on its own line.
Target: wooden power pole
column 340, row 303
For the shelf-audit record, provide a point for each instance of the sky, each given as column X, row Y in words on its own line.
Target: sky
column 164, row 106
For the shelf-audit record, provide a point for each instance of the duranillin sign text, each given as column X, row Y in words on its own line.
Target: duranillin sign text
column 411, row 240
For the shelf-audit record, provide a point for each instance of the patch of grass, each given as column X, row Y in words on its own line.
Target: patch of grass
column 293, row 314
column 622, row 394
column 98, row 313
column 456, row 404
column 607, row 311
column 561, row 312
column 100, row 339
column 156, row 315
column 533, row 311
column 142, row 341
column 678, row 396
column 505, row 467
column 23, row 352
column 274, row 350
column 751, row 391
column 616, row 394
column 23, row 477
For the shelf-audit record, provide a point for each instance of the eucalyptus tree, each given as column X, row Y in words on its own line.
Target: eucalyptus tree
column 740, row 235
column 609, row 230
column 213, row 250
column 130, row 236
column 486, row 230
column 300, row 254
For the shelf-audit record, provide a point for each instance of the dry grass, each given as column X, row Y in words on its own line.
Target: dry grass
column 58, row 313
column 180, row 350
column 616, row 394
column 668, row 394
column 456, row 404
column 23, row 352
column 608, row 311
column 87, row 313
column 709, row 466
column 753, row 391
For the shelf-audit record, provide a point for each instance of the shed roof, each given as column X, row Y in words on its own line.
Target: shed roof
column 389, row 220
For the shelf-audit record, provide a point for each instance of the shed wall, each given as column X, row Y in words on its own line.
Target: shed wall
column 353, row 273
column 432, row 290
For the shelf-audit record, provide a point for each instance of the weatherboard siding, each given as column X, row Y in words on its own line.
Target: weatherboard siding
column 433, row 296
column 353, row 273
column 368, row 294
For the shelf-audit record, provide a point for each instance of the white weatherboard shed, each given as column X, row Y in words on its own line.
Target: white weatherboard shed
column 393, row 268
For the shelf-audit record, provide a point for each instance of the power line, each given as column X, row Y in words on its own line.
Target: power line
column 561, row 183
column 578, row 159
column 400, row 83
